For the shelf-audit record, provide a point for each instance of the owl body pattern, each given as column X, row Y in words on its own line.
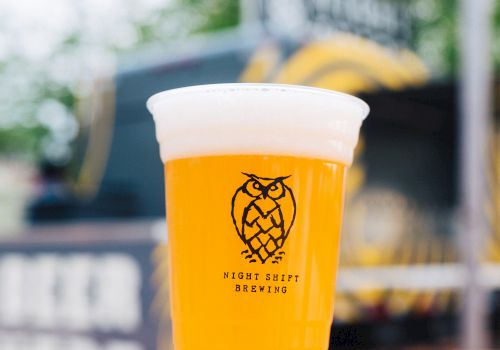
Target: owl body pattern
column 263, row 212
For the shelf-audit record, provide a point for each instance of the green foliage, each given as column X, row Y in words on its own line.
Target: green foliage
column 22, row 140
column 220, row 14
column 437, row 35
column 25, row 128
column 496, row 34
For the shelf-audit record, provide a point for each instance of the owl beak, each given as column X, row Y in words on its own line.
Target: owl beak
column 265, row 205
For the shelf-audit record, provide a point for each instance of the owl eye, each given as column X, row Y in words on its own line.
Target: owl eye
column 276, row 191
column 253, row 188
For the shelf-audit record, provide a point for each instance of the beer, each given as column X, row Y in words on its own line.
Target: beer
column 254, row 195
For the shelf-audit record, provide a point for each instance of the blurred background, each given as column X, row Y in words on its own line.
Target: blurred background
column 82, row 234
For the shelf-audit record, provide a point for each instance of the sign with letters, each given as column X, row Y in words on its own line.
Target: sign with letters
column 63, row 293
column 385, row 21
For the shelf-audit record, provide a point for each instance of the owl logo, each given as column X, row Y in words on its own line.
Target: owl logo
column 263, row 212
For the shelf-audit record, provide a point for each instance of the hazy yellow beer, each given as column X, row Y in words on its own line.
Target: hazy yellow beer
column 254, row 178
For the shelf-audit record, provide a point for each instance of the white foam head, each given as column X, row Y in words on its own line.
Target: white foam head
column 268, row 119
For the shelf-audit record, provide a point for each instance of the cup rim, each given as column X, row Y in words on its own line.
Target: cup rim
column 235, row 87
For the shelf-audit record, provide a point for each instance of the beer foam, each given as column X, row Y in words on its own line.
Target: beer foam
column 257, row 119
